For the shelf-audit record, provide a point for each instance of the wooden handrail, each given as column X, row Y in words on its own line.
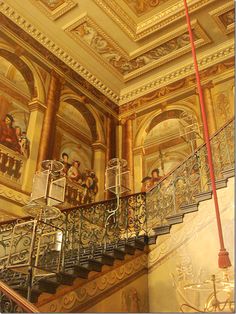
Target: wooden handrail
column 18, row 299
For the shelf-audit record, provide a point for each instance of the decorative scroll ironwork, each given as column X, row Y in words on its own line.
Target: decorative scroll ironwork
column 181, row 186
column 84, row 232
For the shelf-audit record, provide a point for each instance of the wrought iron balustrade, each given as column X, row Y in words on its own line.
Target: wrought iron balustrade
column 85, row 232
column 180, row 187
column 88, row 230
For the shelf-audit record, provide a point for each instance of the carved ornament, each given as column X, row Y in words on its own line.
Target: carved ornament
column 111, row 54
column 225, row 17
column 54, row 8
column 150, row 25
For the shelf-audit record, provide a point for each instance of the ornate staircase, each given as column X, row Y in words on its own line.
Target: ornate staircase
column 90, row 245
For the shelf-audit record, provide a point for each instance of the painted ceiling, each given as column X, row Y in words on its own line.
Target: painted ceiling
column 127, row 48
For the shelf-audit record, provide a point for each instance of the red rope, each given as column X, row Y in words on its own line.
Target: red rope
column 224, row 260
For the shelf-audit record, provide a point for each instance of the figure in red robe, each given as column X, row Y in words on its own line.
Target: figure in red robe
column 8, row 133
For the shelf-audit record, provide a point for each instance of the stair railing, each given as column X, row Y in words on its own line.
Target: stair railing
column 12, row 302
column 86, row 232
column 178, row 190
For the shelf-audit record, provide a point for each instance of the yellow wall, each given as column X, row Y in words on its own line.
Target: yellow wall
column 190, row 251
column 131, row 298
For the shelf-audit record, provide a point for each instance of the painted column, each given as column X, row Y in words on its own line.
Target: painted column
column 211, row 119
column 127, row 148
column 49, row 123
column 119, row 140
column 99, row 160
column 111, row 146
column 138, row 168
column 34, row 129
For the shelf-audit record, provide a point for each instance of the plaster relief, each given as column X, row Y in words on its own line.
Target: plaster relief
column 54, row 8
column 87, row 32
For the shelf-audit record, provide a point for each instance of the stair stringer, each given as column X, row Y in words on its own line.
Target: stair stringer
column 84, row 293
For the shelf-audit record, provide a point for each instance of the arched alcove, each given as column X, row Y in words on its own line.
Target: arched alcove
column 162, row 141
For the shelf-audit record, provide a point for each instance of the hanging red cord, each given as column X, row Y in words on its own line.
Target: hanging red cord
column 223, row 260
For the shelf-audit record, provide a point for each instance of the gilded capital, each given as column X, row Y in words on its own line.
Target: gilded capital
column 36, row 105
column 98, row 146
column 208, row 85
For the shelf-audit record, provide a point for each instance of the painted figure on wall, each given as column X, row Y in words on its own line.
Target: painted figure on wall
column 8, row 135
column 74, row 173
column 149, row 182
column 130, row 301
column 82, row 184
column 155, row 176
column 146, row 184
column 66, row 164
column 13, row 137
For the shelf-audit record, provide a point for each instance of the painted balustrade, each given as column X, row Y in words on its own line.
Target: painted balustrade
column 11, row 165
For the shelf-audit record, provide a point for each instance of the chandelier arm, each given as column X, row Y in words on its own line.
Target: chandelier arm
column 223, row 260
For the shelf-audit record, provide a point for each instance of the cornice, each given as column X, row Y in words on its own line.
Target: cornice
column 223, row 53
column 36, row 105
column 51, row 46
column 76, row 75
column 137, row 31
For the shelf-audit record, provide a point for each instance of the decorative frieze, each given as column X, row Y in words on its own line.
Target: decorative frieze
column 88, row 33
column 82, row 295
column 186, row 82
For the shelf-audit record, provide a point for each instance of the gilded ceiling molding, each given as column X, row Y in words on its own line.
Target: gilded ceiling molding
column 158, row 86
column 96, row 289
column 13, row 195
column 54, row 8
column 224, row 17
column 86, row 78
column 143, row 6
column 111, row 54
column 137, row 31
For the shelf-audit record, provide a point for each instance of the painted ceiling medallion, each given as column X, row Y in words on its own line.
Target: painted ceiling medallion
column 54, row 8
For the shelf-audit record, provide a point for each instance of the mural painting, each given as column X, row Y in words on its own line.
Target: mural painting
column 14, row 143
column 81, row 181
column 149, row 182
